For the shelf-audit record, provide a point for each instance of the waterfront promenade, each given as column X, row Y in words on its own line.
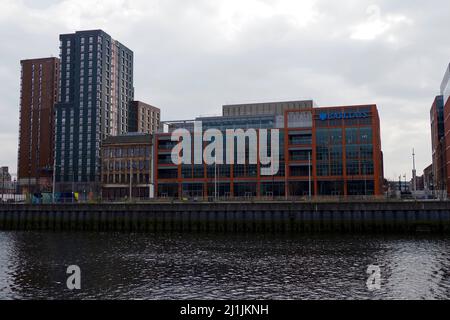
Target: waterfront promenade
column 234, row 217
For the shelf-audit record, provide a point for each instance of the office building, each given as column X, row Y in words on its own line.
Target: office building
column 438, row 143
column 38, row 95
column 428, row 181
column 143, row 118
column 127, row 167
column 5, row 180
column 95, row 91
column 445, row 84
column 334, row 151
column 442, row 185
column 275, row 108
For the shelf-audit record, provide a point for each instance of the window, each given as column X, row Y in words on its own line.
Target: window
column 323, row 169
column 352, row 167
column 351, row 135
column 321, row 137
column 336, row 168
column 322, row 153
column 167, row 173
column 336, row 153
column 366, row 151
column 367, row 167
column 365, row 135
column 335, row 136
column 300, row 139
column 300, row 171
column 352, row 151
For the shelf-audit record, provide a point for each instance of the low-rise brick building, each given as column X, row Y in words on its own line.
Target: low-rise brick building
column 127, row 167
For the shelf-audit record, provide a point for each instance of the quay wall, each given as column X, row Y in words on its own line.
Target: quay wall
column 235, row 217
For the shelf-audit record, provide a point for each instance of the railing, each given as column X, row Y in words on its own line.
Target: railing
column 221, row 198
column 192, row 199
column 12, row 198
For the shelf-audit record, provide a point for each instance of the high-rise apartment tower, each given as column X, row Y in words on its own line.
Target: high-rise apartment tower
column 96, row 88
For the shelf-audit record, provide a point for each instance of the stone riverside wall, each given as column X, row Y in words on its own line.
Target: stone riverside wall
column 242, row 217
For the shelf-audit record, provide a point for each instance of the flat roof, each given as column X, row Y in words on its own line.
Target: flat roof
column 40, row 59
column 131, row 138
column 269, row 102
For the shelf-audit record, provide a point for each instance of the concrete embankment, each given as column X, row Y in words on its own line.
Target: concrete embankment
column 243, row 217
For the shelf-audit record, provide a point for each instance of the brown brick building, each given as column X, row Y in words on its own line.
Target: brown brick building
column 127, row 163
column 38, row 95
column 439, row 166
column 143, row 118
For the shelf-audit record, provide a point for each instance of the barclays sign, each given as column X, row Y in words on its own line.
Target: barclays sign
column 343, row 115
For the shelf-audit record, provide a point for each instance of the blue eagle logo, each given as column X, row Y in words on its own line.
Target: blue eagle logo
column 323, row 116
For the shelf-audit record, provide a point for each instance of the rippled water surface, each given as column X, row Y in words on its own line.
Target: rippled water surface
column 141, row 266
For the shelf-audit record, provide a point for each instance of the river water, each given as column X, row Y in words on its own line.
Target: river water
column 33, row 265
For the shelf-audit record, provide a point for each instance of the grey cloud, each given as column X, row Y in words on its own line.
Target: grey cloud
column 193, row 56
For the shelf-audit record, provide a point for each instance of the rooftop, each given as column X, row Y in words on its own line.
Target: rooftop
column 130, row 138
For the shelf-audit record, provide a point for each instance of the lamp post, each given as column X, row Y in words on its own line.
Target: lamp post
column 73, row 185
column 273, row 182
column 29, row 185
column 14, row 188
column 54, row 180
column 286, row 180
column 131, row 180
column 309, row 174
column 215, row 177
column 3, row 184
column 150, row 168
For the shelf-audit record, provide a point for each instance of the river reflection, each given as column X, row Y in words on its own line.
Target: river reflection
column 142, row 266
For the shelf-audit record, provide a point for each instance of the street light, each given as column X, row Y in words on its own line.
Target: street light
column 54, row 180
column 215, row 177
column 406, row 189
column 14, row 187
column 131, row 180
column 73, row 185
column 309, row 174
column 3, row 184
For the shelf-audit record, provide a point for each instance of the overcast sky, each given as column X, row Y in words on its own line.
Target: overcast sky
column 193, row 56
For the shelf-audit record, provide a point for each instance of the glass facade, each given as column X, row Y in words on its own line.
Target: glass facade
column 345, row 150
column 332, row 152
column 241, row 122
column 124, row 165
column 96, row 85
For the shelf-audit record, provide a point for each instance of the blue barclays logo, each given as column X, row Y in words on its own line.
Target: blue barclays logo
column 343, row 115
